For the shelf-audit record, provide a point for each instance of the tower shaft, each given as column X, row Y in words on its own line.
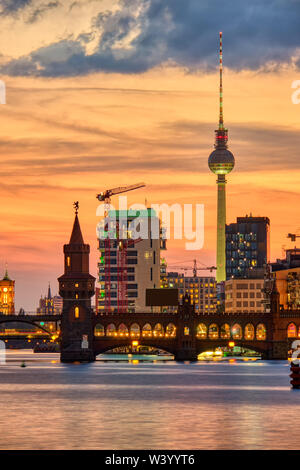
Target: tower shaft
column 221, row 237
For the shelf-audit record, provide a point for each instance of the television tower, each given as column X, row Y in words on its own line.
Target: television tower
column 221, row 162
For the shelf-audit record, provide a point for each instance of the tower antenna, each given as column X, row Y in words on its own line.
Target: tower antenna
column 221, row 122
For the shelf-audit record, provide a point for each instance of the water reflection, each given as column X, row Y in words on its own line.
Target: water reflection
column 154, row 405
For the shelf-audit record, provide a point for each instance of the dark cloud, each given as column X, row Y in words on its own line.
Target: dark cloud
column 174, row 31
column 9, row 7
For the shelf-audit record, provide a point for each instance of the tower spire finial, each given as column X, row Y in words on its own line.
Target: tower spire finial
column 221, row 122
column 76, row 207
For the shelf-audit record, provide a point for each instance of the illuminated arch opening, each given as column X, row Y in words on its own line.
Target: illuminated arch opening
column 147, row 331
column 201, row 331
column 111, row 330
column 213, row 331
column 236, row 331
column 292, row 330
column 261, row 332
column 171, row 330
column 135, row 331
column 249, row 331
column 99, row 330
column 123, row 330
column 225, row 331
column 158, row 331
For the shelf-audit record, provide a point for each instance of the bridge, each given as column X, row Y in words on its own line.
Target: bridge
column 184, row 334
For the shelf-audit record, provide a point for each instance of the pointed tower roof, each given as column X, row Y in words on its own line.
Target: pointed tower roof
column 49, row 291
column 76, row 236
column 6, row 276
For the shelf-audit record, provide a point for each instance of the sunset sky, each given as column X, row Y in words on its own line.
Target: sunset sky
column 108, row 93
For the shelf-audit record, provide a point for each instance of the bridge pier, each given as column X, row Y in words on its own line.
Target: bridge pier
column 186, row 355
column 75, row 353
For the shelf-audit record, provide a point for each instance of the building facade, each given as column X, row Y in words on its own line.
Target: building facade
column 7, row 295
column 201, row 290
column 244, row 296
column 50, row 304
column 141, row 263
column 247, row 246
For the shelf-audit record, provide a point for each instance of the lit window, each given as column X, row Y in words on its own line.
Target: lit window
column 76, row 312
column 68, row 261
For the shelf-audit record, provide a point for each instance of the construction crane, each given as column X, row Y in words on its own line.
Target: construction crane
column 195, row 268
column 105, row 197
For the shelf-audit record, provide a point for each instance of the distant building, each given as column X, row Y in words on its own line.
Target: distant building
column 287, row 274
column 50, row 305
column 202, row 290
column 244, row 296
column 288, row 286
column 247, row 246
column 7, row 295
column 141, row 264
column 292, row 260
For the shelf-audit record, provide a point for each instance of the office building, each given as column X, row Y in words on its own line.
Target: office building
column 247, row 246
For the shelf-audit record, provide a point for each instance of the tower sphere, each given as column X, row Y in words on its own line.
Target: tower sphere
column 221, row 161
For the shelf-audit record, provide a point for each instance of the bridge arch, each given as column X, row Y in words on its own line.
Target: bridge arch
column 201, row 331
column 249, row 332
column 225, row 331
column 99, row 330
column 292, row 330
column 123, row 330
column 213, row 331
column 261, row 332
column 111, row 330
column 170, row 330
column 147, row 330
column 158, row 330
column 135, row 330
column 237, row 331
column 29, row 322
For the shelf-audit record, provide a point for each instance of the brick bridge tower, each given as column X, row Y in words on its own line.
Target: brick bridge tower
column 186, row 332
column 76, row 287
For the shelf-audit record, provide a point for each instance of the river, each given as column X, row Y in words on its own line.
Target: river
column 146, row 405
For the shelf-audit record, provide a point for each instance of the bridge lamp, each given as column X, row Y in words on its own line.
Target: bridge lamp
column 231, row 344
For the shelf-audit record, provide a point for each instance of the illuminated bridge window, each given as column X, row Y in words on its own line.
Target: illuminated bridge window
column 99, row 330
column 249, row 331
column 201, row 331
column 292, row 330
column 135, row 331
column 261, row 332
column 225, row 331
column 236, row 331
column 213, row 331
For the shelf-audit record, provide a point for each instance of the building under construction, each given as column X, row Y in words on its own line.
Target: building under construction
column 129, row 263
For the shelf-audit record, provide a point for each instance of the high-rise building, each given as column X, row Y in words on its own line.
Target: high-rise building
column 247, row 246
column 201, row 290
column 140, row 269
column 221, row 162
column 7, row 295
